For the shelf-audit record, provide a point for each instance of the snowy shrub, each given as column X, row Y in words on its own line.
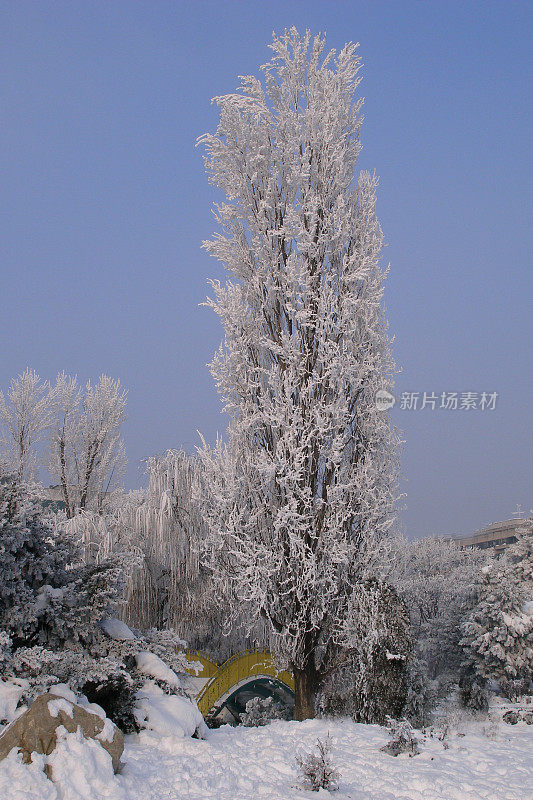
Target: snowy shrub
column 402, row 739
column 491, row 729
column 155, row 654
column 116, row 695
column 317, row 769
column 451, row 720
column 168, row 646
column 105, row 671
column 514, row 689
column 31, row 557
column 474, row 691
column 421, row 695
column 6, row 653
column 498, row 635
column 262, row 710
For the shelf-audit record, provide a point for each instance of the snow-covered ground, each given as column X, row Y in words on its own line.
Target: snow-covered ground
column 488, row 762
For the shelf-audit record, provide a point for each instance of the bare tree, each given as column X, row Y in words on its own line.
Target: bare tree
column 87, row 456
column 25, row 414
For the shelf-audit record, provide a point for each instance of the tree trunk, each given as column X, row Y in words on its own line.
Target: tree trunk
column 306, row 684
column 64, row 482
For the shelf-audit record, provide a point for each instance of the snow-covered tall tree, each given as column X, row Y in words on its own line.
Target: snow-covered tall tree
column 87, row 456
column 299, row 498
column 371, row 681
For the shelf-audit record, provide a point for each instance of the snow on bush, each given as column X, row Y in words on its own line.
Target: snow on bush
column 317, row 769
column 262, row 710
column 116, row 629
column 151, row 665
column 402, row 739
column 167, row 715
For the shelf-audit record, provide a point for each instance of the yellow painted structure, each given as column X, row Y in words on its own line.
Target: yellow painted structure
column 210, row 666
column 237, row 671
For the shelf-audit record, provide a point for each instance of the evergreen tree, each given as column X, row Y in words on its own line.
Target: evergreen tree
column 498, row 635
column 53, row 604
column 31, row 557
column 436, row 580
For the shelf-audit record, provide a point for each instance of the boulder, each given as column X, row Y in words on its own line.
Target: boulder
column 36, row 729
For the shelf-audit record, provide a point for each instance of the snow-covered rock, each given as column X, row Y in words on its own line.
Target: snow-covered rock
column 37, row 729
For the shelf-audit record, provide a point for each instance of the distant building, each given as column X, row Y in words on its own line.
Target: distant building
column 496, row 536
column 53, row 498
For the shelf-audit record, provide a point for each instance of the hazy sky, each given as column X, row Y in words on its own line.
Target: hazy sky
column 105, row 204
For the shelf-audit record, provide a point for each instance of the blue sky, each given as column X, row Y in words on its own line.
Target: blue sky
column 105, row 204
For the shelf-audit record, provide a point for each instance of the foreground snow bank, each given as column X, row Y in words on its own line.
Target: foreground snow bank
column 20, row 781
column 243, row 763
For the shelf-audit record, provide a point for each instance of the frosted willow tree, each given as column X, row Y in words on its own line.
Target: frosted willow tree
column 168, row 528
column 300, row 497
